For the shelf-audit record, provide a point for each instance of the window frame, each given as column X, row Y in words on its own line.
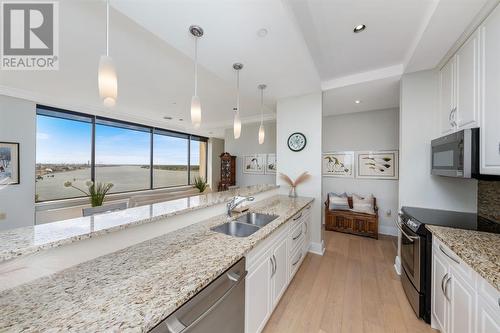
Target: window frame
column 94, row 120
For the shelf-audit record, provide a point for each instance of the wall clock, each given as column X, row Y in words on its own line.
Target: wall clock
column 297, row 141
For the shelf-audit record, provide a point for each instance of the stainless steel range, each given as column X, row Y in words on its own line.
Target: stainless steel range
column 416, row 249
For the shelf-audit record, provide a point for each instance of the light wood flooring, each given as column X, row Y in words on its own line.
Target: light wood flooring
column 352, row 288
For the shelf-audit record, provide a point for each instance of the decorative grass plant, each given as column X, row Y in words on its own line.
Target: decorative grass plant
column 293, row 184
column 95, row 192
column 200, row 184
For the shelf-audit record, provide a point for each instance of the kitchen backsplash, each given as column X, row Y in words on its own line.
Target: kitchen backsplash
column 488, row 199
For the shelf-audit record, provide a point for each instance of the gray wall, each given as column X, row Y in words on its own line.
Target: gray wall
column 216, row 149
column 372, row 130
column 248, row 144
column 18, row 124
column 419, row 124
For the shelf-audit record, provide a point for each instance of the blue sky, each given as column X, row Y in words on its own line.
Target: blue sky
column 68, row 141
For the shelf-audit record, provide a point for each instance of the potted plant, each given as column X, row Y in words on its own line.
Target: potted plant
column 200, row 184
column 293, row 184
column 95, row 192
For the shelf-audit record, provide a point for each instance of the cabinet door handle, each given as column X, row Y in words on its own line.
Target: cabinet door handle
column 272, row 266
column 275, row 264
column 446, row 288
column 307, row 227
column 449, row 256
column 298, row 217
column 442, row 282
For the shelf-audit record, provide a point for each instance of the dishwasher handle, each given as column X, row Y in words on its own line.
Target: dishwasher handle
column 174, row 325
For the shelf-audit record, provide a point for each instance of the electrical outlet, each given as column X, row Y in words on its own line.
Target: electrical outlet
column 388, row 212
column 3, row 216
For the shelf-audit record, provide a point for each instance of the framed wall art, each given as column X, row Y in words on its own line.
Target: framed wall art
column 271, row 165
column 378, row 164
column 9, row 163
column 254, row 164
column 338, row 164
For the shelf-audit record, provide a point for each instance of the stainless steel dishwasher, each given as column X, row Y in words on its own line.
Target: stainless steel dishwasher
column 218, row 308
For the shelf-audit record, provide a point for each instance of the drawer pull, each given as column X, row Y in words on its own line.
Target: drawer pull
column 449, row 256
column 300, row 257
column 296, row 237
column 298, row 217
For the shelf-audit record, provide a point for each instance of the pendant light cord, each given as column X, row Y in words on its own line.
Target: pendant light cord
column 196, row 66
column 107, row 28
column 261, row 106
column 238, row 91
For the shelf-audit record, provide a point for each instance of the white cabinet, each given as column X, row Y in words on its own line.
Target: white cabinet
column 490, row 107
column 447, row 102
column 258, row 294
column 439, row 304
column 467, row 84
column 487, row 318
column 280, row 273
column 270, row 267
column 462, row 301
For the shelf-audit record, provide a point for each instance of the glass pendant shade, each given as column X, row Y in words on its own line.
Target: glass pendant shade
column 107, row 81
column 237, row 125
column 195, row 111
column 262, row 134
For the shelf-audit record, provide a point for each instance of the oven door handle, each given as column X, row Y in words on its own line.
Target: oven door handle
column 400, row 227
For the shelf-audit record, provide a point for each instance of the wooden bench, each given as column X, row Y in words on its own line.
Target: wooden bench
column 351, row 222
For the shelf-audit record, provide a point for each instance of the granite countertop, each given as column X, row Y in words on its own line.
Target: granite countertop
column 133, row 289
column 479, row 250
column 26, row 240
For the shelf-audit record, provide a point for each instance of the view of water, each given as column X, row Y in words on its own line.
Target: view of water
column 124, row 178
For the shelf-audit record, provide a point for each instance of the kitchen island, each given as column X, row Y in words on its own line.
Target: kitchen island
column 133, row 289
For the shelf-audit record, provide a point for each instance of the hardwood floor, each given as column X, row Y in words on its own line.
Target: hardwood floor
column 352, row 288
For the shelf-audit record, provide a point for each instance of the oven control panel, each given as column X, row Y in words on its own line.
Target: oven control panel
column 412, row 224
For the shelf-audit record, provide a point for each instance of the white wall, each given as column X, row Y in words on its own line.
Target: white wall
column 302, row 114
column 18, row 124
column 215, row 149
column 248, row 144
column 371, row 130
column 419, row 124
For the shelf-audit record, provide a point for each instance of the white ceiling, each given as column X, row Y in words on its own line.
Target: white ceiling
column 374, row 95
column 402, row 36
column 310, row 46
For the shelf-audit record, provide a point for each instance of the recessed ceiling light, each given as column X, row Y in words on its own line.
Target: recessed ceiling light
column 167, row 118
column 262, row 32
column 180, row 119
column 210, row 133
column 359, row 28
column 357, row 101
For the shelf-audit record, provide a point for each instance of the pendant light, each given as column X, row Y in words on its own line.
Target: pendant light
column 237, row 120
column 262, row 133
column 106, row 77
column 197, row 32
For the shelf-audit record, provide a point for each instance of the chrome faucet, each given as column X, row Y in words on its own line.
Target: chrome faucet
column 235, row 202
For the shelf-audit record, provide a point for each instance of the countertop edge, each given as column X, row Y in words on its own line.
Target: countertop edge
column 20, row 252
column 436, row 232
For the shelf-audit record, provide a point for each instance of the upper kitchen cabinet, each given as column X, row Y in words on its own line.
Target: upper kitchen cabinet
column 490, row 106
column 467, row 84
column 459, row 88
column 447, row 100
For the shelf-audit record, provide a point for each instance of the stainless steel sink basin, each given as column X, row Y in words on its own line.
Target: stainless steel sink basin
column 236, row 229
column 256, row 219
column 245, row 225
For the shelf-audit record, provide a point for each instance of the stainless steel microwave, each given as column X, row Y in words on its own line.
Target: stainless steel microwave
column 456, row 154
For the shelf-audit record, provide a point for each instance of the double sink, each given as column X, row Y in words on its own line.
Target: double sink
column 245, row 225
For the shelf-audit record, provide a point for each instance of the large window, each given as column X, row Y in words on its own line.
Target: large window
column 63, row 153
column 77, row 147
column 122, row 156
column 170, row 159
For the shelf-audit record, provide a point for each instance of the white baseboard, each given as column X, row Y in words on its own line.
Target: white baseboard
column 397, row 265
column 317, row 248
column 387, row 230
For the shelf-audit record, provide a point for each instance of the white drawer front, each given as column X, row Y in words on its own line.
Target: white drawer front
column 295, row 237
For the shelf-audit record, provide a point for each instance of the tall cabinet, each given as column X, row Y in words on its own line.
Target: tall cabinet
column 469, row 85
column 490, row 110
column 227, row 171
